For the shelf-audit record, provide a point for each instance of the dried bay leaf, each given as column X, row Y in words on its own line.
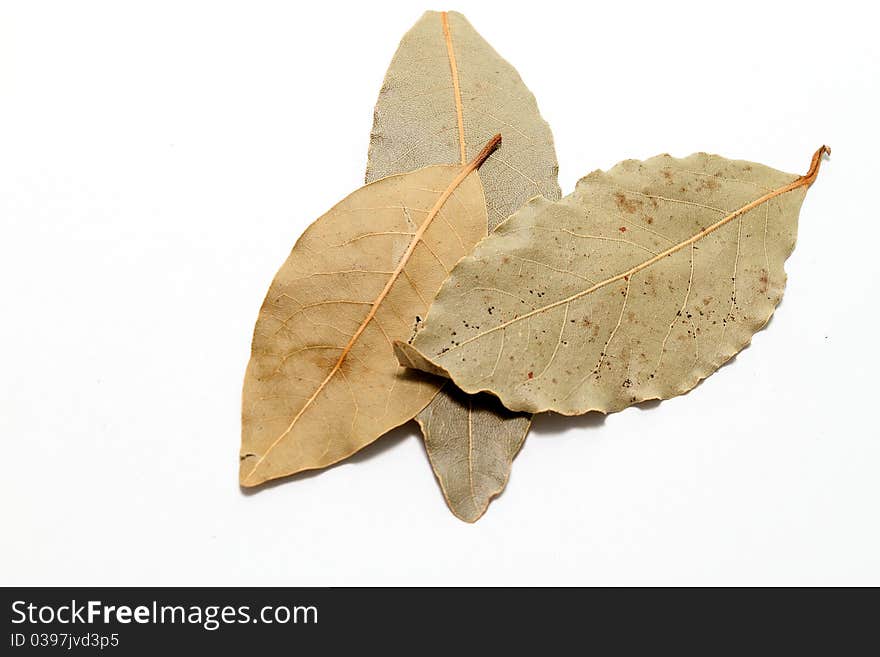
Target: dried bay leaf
column 637, row 286
column 322, row 381
column 471, row 442
column 445, row 91
column 445, row 94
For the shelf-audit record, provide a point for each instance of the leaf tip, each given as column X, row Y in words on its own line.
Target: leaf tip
column 247, row 471
column 409, row 356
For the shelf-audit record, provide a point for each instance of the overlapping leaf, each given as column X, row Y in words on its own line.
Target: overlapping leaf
column 636, row 286
column 471, row 441
column 445, row 92
column 323, row 381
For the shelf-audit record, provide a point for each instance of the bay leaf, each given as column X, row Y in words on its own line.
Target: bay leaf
column 471, row 442
column 445, row 90
column 637, row 286
column 322, row 381
column 445, row 94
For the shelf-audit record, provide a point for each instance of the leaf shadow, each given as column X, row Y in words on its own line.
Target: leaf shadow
column 547, row 424
column 377, row 448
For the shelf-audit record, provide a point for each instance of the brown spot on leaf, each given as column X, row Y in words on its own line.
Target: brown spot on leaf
column 708, row 183
column 531, row 374
column 627, row 205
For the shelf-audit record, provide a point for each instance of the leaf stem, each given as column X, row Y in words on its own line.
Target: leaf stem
column 490, row 146
column 810, row 176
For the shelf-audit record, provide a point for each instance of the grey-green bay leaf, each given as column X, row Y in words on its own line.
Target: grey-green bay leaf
column 445, row 94
column 471, row 442
column 637, row 286
column 445, row 90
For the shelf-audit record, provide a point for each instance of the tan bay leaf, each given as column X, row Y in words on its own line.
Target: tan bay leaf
column 323, row 381
column 445, row 91
column 637, row 286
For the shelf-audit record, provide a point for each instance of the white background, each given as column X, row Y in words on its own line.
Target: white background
column 157, row 162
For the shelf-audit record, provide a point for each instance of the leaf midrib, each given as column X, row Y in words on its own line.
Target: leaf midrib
column 456, row 88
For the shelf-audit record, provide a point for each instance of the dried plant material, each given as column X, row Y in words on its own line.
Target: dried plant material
column 445, row 89
column 471, row 438
column 323, row 381
column 446, row 92
column 637, row 286
column 471, row 441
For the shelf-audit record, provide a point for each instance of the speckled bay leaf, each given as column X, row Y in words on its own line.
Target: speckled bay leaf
column 637, row 286
column 323, row 381
column 446, row 91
